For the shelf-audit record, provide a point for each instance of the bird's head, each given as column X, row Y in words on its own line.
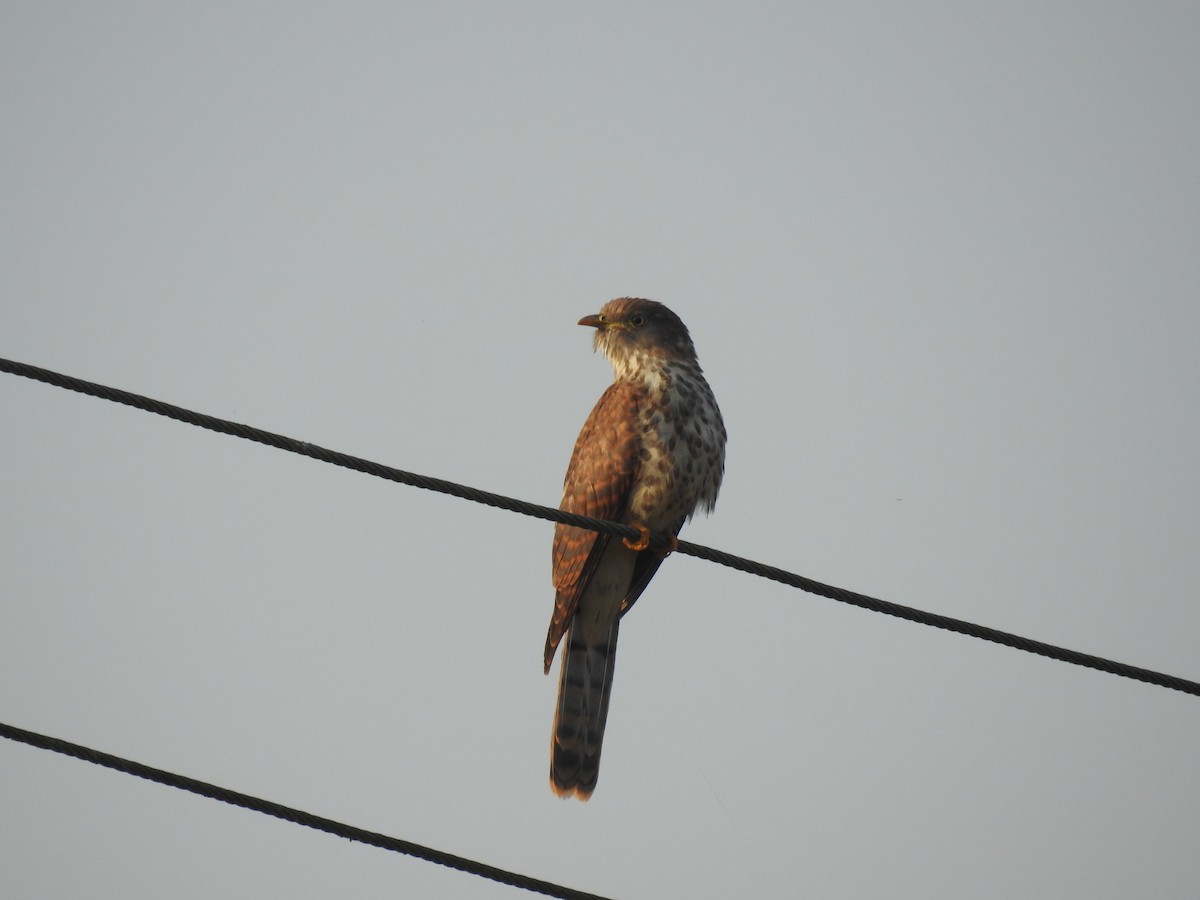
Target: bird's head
column 633, row 333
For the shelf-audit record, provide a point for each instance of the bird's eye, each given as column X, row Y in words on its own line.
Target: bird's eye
column 637, row 321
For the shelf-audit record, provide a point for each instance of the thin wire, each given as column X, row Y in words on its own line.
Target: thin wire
column 299, row 817
column 751, row 567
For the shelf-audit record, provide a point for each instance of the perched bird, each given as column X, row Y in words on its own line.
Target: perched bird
column 651, row 453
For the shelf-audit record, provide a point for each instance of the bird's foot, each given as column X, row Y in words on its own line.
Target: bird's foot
column 643, row 540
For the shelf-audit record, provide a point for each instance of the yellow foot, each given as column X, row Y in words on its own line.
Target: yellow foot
column 643, row 540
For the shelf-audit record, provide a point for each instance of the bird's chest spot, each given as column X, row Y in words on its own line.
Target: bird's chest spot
column 682, row 454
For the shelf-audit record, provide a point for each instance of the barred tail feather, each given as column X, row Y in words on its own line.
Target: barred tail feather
column 584, row 686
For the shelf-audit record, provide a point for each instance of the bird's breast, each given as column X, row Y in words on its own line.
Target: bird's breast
column 682, row 450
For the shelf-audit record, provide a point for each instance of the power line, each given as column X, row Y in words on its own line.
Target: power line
column 497, row 500
column 299, row 817
column 782, row 576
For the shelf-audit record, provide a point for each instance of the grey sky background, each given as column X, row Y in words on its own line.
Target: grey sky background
column 942, row 265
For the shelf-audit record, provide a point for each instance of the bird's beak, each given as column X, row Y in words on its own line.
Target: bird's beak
column 592, row 321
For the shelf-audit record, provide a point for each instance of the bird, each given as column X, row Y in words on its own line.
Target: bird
column 650, row 455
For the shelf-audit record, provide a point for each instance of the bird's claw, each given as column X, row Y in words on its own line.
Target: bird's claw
column 643, row 542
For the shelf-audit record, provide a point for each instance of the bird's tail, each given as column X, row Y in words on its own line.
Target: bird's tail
column 584, row 686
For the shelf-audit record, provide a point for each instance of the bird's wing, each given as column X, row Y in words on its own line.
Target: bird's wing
column 599, row 479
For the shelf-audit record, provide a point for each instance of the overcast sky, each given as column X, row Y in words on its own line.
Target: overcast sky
column 941, row 262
